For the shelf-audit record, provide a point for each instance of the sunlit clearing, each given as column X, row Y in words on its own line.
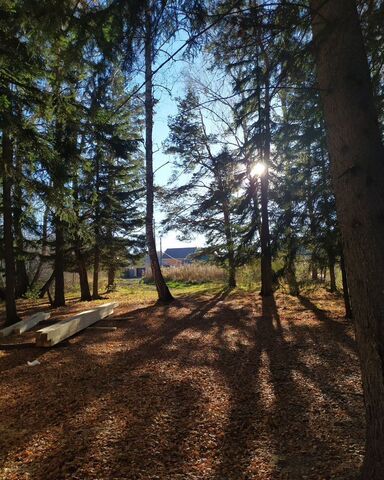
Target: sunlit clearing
column 259, row 169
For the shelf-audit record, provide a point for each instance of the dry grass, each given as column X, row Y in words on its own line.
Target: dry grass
column 195, row 273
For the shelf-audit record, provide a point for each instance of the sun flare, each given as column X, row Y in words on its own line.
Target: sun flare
column 259, row 169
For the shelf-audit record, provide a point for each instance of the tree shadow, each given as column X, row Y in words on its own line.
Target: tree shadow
column 216, row 389
column 124, row 372
column 336, row 328
column 256, row 413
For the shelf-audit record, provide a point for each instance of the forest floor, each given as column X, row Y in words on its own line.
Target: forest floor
column 218, row 385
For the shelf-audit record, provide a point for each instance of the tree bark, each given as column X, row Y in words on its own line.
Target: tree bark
column 96, row 250
column 347, row 301
column 22, row 280
column 293, row 284
column 111, row 278
column 357, row 169
column 45, row 288
column 332, row 275
column 9, row 256
column 85, row 293
column 57, row 184
column 314, row 271
column 230, row 246
column 44, row 248
column 96, row 268
column 164, row 295
column 96, row 256
column 265, row 241
column 59, row 297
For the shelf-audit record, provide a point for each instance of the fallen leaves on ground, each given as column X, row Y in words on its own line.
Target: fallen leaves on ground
column 215, row 386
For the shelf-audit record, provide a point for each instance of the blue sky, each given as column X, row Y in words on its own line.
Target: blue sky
column 172, row 77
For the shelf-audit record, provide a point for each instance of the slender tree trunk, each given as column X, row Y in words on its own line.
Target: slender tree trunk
column 9, row 256
column 96, row 256
column 265, row 241
column 357, row 168
column 332, row 276
column 323, row 274
column 266, row 260
column 85, row 293
column 59, row 298
column 57, row 184
column 163, row 292
column 347, row 301
column 96, row 268
column 230, row 246
column 293, row 284
column 45, row 288
column 111, row 278
column 314, row 270
column 312, row 220
column 22, row 281
column 44, row 248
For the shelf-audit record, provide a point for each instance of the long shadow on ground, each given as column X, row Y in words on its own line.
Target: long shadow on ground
column 211, row 387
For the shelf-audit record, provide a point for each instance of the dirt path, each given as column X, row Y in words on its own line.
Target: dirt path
column 218, row 387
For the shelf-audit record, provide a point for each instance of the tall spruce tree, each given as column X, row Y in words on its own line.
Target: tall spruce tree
column 356, row 152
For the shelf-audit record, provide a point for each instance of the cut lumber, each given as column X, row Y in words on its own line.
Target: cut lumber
column 49, row 336
column 31, row 321
column 24, row 325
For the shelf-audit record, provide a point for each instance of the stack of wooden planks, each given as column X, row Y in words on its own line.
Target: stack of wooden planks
column 49, row 336
column 24, row 325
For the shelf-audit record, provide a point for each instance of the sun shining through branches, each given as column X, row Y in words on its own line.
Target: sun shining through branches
column 265, row 122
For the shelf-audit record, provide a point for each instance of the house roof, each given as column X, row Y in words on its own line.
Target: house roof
column 179, row 253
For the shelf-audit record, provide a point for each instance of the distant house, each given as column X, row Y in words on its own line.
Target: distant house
column 174, row 257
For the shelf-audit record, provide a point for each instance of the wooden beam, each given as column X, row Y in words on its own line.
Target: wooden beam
column 24, row 325
column 31, row 321
column 49, row 336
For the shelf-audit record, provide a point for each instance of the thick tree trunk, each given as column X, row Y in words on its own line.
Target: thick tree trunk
column 9, row 256
column 59, row 297
column 164, row 295
column 357, row 161
column 347, row 301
